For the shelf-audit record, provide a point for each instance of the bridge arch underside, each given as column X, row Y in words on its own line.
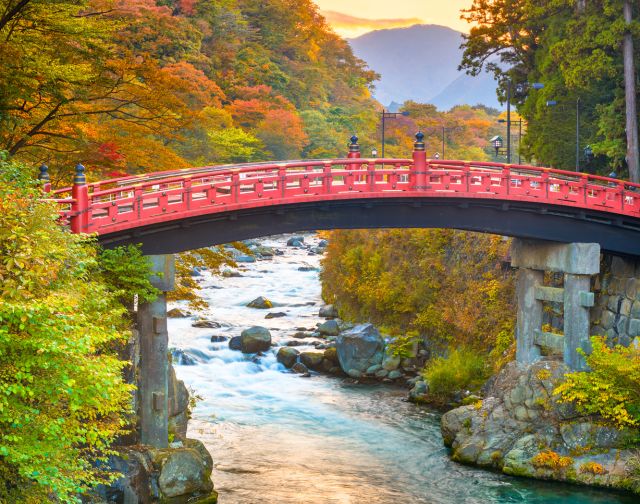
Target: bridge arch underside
column 616, row 233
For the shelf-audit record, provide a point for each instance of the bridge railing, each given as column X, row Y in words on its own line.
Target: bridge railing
column 131, row 202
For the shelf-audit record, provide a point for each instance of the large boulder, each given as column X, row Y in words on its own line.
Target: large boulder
column 328, row 311
column 287, row 356
column 359, row 348
column 329, row 328
column 313, row 360
column 261, row 303
column 235, row 343
column 255, row 339
column 295, row 241
column 184, row 472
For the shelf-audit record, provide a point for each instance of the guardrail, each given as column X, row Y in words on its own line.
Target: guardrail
column 126, row 203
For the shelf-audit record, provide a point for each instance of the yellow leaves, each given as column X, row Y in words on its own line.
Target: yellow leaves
column 551, row 460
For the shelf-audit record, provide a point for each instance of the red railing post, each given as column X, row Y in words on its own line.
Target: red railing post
column 44, row 178
column 235, row 187
column 354, row 148
column 80, row 206
column 327, row 178
column 419, row 163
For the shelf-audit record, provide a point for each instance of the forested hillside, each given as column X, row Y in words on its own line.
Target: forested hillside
column 140, row 85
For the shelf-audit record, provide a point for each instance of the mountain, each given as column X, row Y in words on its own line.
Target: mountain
column 421, row 63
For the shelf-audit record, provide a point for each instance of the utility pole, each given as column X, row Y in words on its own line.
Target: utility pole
column 630, row 96
column 509, row 121
column 578, row 134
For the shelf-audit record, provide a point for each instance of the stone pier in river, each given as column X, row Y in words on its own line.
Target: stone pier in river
column 593, row 302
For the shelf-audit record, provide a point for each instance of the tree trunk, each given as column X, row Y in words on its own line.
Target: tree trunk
column 630, row 98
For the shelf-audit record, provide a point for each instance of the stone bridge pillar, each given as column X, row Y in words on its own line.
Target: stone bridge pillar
column 578, row 262
column 153, row 380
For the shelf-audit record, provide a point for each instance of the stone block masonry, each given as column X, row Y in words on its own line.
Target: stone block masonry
column 577, row 262
column 616, row 313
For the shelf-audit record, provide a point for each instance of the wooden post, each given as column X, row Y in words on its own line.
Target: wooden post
column 80, row 206
column 419, row 163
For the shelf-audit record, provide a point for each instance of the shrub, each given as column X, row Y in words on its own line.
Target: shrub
column 462, row 369
column 611, row 389
column 62, row 397
column 551, row 460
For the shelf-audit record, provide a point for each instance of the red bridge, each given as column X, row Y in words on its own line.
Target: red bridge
column 180, row 210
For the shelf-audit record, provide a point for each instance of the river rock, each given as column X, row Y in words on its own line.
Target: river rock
column 301, row 335
column 183, row 472
column 520, row 418
column 394, row 375
column 307, row 267
column 390, row 363
column 287, row 356
column 180, row 358
column 419, row 391
column 331, row 354
column 229, row 273
column 255, row 339
column 323, row 243
column 359, row 349
column 218, row 339
column 265, row 251
column 294, row 343
column 382, row 373
column 313, row 360
column 235, row 343
column 177, row 313
column 272, row 315
column 295, row 241
column 261, row 302
column 328, row 311
column 374, row 369
column 206, row 324
column 299, row 368
column 329, row 328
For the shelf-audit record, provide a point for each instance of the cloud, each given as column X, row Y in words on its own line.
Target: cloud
column 350, row 25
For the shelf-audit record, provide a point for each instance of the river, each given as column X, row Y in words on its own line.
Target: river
column 278, row 438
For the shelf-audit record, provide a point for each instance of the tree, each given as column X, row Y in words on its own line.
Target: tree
column 62, row 396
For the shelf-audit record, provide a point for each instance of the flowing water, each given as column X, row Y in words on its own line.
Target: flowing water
column 277, row 437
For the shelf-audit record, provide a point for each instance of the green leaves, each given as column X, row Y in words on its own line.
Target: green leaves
column 62, row 397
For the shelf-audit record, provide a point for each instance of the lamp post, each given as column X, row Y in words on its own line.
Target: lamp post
column 497, row 142
column 374, row 153
column 389, row 115
column 519, row 121
column 521, row 88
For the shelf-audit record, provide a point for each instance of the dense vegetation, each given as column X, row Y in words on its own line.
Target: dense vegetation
column 141, row 85
column 62, row 320
column 444, row 287
column 574, row 49
column 611, row 389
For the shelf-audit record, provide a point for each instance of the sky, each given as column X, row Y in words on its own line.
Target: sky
column 355, row 17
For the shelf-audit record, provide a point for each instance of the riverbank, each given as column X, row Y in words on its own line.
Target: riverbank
column 278, row 437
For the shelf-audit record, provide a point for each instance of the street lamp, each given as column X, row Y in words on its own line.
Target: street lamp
column 374, row 153
column 497, row 142
column 519, row 121
column 521, row 88
column 389, row 115
column 436, row 155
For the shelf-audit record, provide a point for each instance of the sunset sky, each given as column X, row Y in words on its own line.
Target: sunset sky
column 355, row 17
